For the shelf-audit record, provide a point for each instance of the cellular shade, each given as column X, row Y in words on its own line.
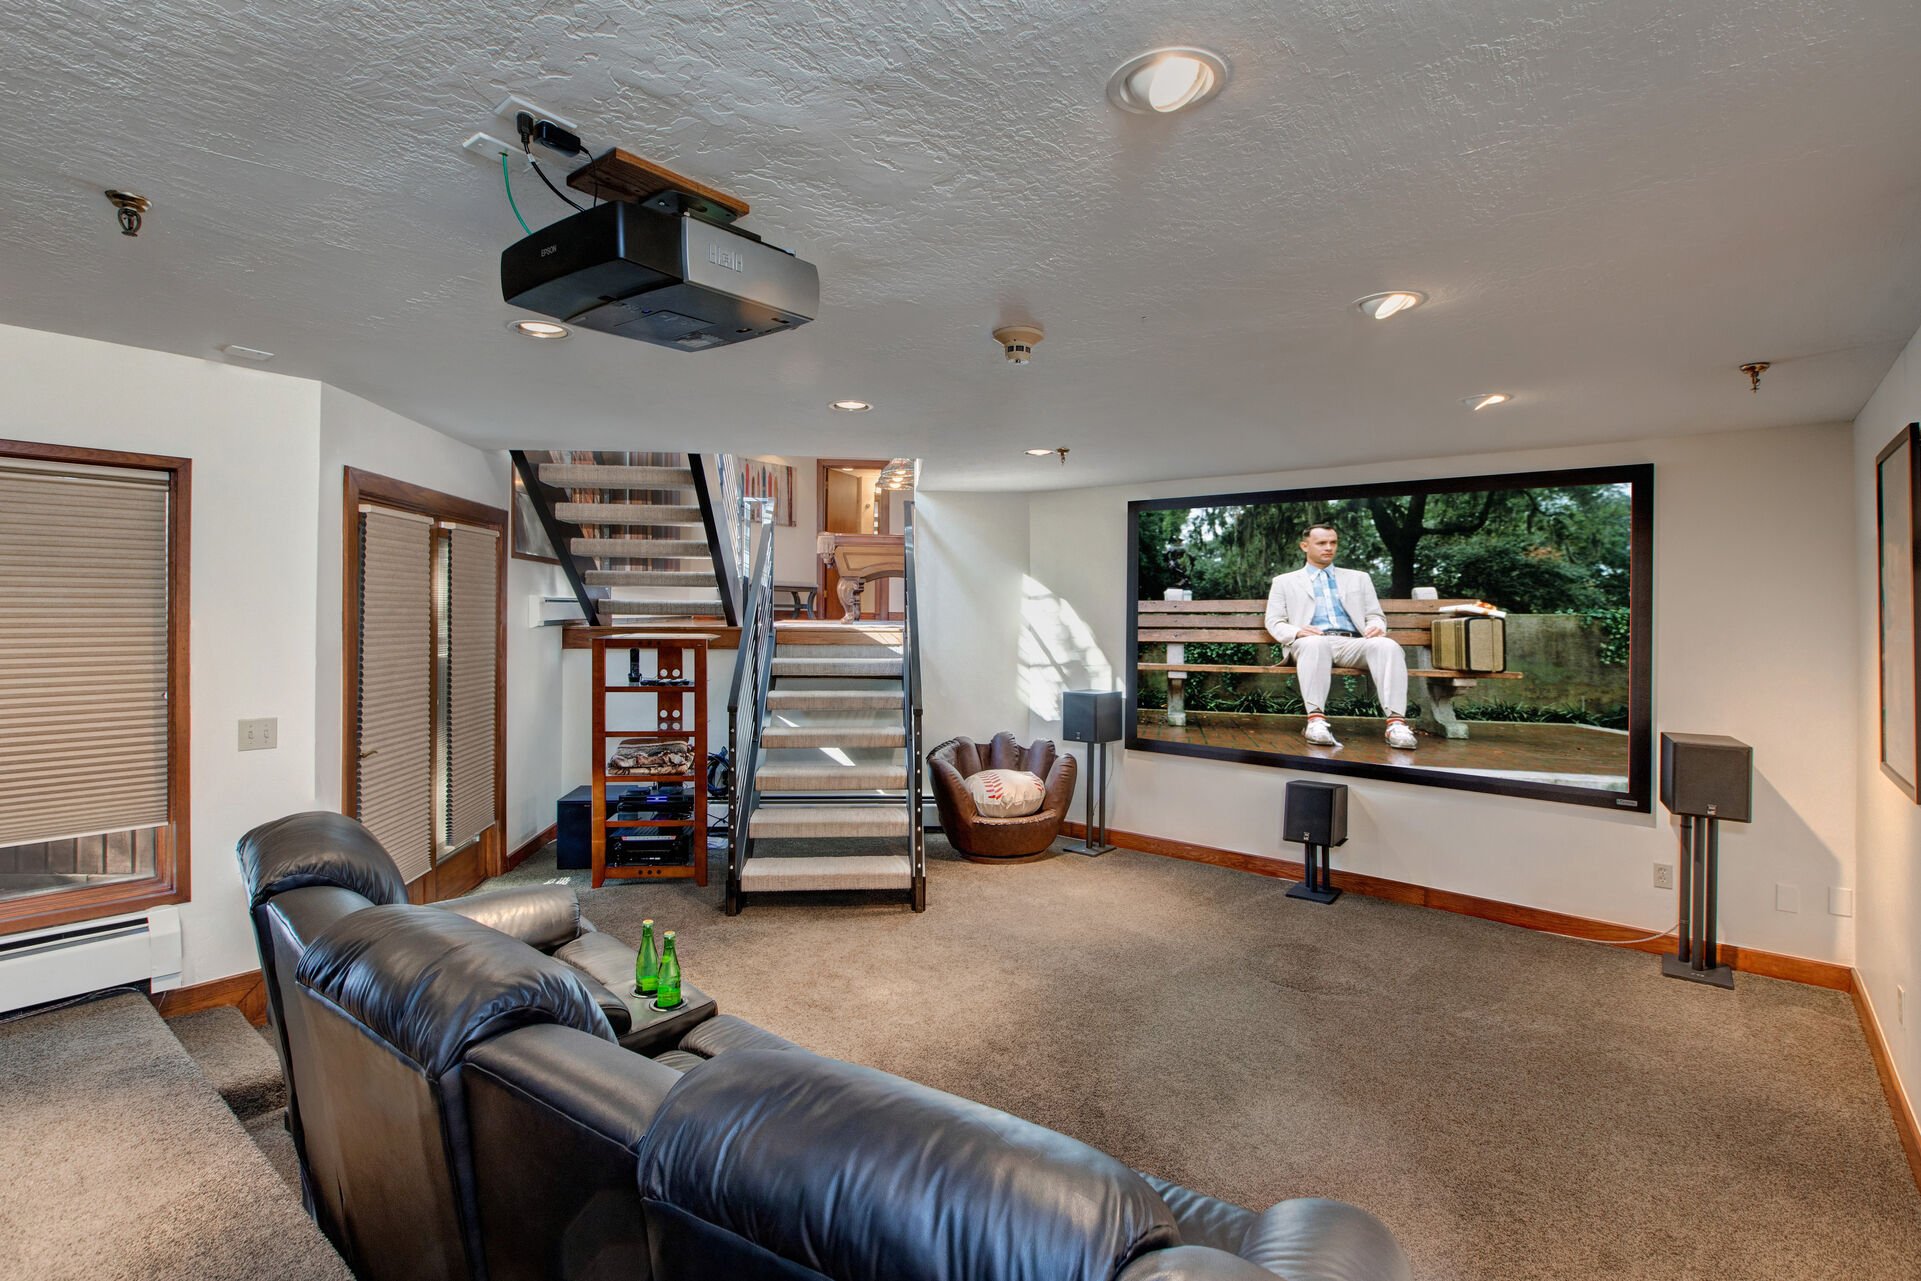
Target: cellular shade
column 472, row 624
column 83, row 652
column 395, row 778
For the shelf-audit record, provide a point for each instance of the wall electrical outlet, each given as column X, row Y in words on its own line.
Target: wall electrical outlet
column 260, row 735
column 1787, row 898
column 1664, row 876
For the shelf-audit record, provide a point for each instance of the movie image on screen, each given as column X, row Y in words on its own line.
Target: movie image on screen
column 1483, row 632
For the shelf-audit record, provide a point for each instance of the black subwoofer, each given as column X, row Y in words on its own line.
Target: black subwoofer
column 1315, row 814
column 1707, row 775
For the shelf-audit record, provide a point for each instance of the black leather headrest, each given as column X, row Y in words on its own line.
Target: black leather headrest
column 431, row 983
column 863, row 1176
column 317, row 848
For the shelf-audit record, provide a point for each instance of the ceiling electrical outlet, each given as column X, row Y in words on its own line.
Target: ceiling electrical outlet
column 489, row 148
column 1840, row 900
column 260, row 735
column 513, row 104
column 1664, row 876
column 1787, row 898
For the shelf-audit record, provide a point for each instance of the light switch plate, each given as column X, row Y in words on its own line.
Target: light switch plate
column 260, row 735
column 1787, row 898
column 1840, row 900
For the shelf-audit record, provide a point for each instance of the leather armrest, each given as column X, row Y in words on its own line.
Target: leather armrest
column 1060, row 786
column 542, row 916
column 949, row 783
column 599, row 1087
column 1311, row 1239
column 1193, row 1263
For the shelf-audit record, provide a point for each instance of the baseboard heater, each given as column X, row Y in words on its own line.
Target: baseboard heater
column 70, row 960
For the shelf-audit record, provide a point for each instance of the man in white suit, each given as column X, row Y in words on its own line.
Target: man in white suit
column 1328, row 618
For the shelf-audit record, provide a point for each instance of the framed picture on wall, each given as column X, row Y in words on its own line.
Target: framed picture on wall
column 769, row 480
column 529, row 540
column 1897, row 516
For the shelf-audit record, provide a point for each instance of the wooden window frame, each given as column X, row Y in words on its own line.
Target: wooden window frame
column 170, row 882
column 489, row 856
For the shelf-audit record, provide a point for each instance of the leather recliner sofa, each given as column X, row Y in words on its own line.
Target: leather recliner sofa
column 479, row 1121
column 307, row 871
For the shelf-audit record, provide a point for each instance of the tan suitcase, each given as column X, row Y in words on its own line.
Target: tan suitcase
column 1469, row 644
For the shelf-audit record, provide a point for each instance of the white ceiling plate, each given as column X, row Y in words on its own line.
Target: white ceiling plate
column 1611, row 203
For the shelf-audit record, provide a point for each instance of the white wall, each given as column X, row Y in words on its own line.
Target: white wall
column 1888, row 947
column 1745, row 524
column 357, row 433
column 971, row 557
column 254, row 441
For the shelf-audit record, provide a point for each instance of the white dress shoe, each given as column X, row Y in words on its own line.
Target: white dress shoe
column 1319, row 734
column 1399, row 735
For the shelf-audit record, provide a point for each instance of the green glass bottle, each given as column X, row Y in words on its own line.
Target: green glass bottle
column 646, row 967
column 667, row 995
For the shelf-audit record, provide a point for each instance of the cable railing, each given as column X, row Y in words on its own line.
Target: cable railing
column 911, row 713
column 747, row 697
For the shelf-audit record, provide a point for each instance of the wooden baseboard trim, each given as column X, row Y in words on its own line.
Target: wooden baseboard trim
column 532, row 845
column 247, row 992
column 1905, row 1123
column 1774, row 965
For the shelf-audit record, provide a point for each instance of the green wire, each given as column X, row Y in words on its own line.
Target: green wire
column 508, row 183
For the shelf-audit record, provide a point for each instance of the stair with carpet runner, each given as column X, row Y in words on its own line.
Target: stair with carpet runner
column 833, row 765
column 637, row 537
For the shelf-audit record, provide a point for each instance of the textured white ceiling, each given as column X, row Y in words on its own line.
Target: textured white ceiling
column 1612, row 202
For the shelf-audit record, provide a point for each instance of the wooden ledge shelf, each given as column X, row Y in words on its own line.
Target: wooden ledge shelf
column 621, row 175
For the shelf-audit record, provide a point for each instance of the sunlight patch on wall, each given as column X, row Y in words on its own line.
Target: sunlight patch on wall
column 1057, row 651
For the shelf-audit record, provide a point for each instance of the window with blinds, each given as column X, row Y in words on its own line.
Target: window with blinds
column 471, row 623
column 425, row 682
column 87, row 782
column 396, row 747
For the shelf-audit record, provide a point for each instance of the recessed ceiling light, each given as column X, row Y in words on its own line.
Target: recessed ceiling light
column 246, row 353
column 1392, row 303
column 850, row 406
column 1486, row 399
column 1161, row 81
column 1040, row 453
column 538, row 329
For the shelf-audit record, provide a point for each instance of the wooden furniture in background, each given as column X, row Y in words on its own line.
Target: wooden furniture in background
column 680, row 715
column 860, row 559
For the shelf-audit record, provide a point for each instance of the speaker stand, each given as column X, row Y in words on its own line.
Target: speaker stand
column 1696, row 955
column 1315, row 887
column 1094, row 837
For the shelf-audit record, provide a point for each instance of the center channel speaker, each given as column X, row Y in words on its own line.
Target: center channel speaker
column 1091, row 715
column 1707, row 775
column 1315, row 814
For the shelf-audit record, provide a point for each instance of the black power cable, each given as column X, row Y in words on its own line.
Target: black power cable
column 550, row 186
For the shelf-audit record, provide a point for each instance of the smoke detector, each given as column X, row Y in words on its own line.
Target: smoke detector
column 1019, row 341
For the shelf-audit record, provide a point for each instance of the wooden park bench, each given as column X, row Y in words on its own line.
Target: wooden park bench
column 1244, row 622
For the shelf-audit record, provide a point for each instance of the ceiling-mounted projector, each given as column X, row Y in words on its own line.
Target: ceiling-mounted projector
column 667, row 278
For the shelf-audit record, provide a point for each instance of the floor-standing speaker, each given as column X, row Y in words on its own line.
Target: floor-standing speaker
column 1704, row 778
column 1315, row 814
column 1093, row 716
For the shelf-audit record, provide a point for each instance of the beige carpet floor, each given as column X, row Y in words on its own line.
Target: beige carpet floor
column 119, row 1162
column 1514, row 1105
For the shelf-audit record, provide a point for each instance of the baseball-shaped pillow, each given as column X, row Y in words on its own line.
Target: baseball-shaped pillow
column 1006, row 793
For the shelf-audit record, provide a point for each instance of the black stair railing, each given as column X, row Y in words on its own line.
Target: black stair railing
column 560, row 533
column 720, row 532
column 753, row 669
column 911, row 711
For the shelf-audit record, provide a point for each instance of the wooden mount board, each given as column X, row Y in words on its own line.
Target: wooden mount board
column 621, row 175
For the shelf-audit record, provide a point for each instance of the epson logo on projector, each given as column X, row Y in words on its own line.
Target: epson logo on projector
column 728, row 258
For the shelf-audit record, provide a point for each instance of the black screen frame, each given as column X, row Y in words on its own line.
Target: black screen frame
column 1639, row 797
